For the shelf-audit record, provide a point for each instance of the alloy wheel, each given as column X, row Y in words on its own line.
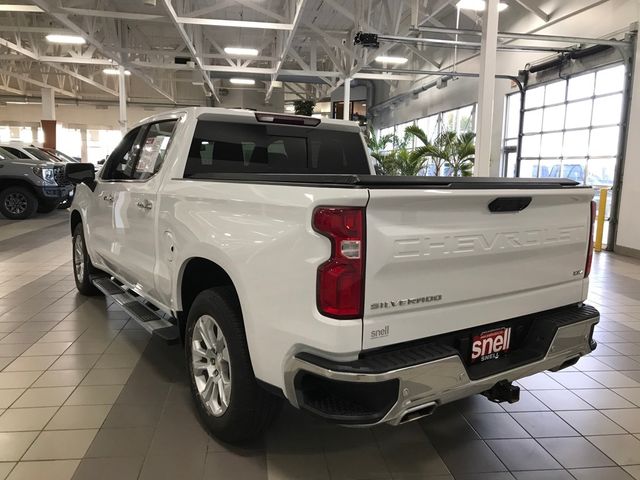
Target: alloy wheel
column 211, row 365
column 16, row 203
column 78, row 258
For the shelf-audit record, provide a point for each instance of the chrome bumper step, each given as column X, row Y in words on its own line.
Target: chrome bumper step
column 156, row 323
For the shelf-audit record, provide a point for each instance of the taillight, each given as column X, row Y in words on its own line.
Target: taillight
column 587, row 267
column 340, row 283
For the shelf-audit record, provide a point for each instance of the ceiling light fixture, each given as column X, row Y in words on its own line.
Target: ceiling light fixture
column 65, row 39
column 242, row 81
column 248, row 52
column 395, row 60
column 21, row 8
column 114, row 71
column 478, row 5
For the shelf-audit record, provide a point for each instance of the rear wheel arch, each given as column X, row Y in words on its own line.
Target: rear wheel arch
column 197, row 275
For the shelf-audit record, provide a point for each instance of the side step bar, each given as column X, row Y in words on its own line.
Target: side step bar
column 156, row 323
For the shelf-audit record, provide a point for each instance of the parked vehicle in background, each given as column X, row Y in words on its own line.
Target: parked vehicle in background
column 25, row 151
column 266, row 243
column 59, row 155
column 28, row 185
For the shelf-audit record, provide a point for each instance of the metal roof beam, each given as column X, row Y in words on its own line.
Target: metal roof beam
column 63, row 19
column 28, row 79
column 297, row 16
column 537, row 11
column 173, row 16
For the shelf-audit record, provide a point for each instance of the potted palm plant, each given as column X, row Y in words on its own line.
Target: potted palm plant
column 450, row 149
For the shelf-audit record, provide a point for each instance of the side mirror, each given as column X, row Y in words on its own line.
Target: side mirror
column 76, row 173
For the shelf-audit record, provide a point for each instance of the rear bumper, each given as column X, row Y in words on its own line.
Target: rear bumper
column 392, row 387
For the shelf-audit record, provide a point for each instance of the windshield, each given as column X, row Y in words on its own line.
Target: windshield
column 40, row 155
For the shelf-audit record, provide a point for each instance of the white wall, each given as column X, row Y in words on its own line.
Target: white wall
column 629, row 218
column 91, row 116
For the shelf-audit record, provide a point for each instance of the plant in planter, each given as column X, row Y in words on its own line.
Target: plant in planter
column 304, row 107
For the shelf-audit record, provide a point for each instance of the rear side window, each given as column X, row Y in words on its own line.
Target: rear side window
column 236, row 148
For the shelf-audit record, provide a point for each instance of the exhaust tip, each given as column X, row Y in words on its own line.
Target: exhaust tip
column 418, row 412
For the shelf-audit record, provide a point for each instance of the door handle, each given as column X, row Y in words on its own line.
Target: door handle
column 108, row 198
column 144, row 204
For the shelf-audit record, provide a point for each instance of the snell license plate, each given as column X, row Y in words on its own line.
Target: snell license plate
column 490, row 345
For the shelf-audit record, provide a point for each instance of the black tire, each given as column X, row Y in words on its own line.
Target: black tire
column 251, row 409
column 47, row 206
column 18, row 203
column 82, row 267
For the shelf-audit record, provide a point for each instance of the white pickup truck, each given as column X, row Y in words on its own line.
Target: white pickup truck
column 268, row 246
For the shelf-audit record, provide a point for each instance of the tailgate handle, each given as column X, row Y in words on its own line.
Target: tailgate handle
column 509, row 204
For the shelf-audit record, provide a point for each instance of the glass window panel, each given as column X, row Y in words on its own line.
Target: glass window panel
column 532, row 121
column 531, row 146
column 610, row 80
column 553, row 118
column 574, row 169
column 534, row 97
column 449, row 119
column 601, row 171
column 511, row 165
column 554, row 92
column 578, row 114
column 513, row 115
column 549, row 168
column 604, row 141
column 581, row 86
column 576, row 143
column 607, row 110
column 465, row 119
column 551, row 144
column 529, row 168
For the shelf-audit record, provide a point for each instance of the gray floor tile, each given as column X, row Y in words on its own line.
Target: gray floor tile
column 523, row 454
column 26, row 364
column 121, row 442
column 25, row 419
column 561, row 400
column 5, row 468
column 189, row 466
column 544, row 424
column 94, row 395
column 572, row 380
column 575, row 452
column 60, row 445
column 623, row 449
column 116, row 468
column 591, row 422
column 543, row 475
column 18, row 379
column 603, row 398
column 614, row 380
column 60, row 378
column 229, row 464
column 75, row 417
column 527, row 403
column 43, row 397
column 496, row 425
column 629, row 418
column 631, row 394
column 49, row 470
column 608, row 473
column 14, row 444
column 9, row 395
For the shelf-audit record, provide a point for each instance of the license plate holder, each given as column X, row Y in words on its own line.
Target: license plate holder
column 490, row 344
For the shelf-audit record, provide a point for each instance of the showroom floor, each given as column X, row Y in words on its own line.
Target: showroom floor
column 85, row 394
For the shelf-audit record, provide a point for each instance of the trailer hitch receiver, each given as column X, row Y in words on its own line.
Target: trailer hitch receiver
column 503, row 391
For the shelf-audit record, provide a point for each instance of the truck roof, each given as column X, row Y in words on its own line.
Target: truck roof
column 242, row 116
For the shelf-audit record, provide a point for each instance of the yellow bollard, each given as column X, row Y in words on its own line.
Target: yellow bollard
column 602, row 208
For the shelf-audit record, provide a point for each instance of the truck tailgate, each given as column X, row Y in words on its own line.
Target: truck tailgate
column 439, row 260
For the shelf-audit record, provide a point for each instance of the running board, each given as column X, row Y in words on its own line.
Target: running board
column 155, row 323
